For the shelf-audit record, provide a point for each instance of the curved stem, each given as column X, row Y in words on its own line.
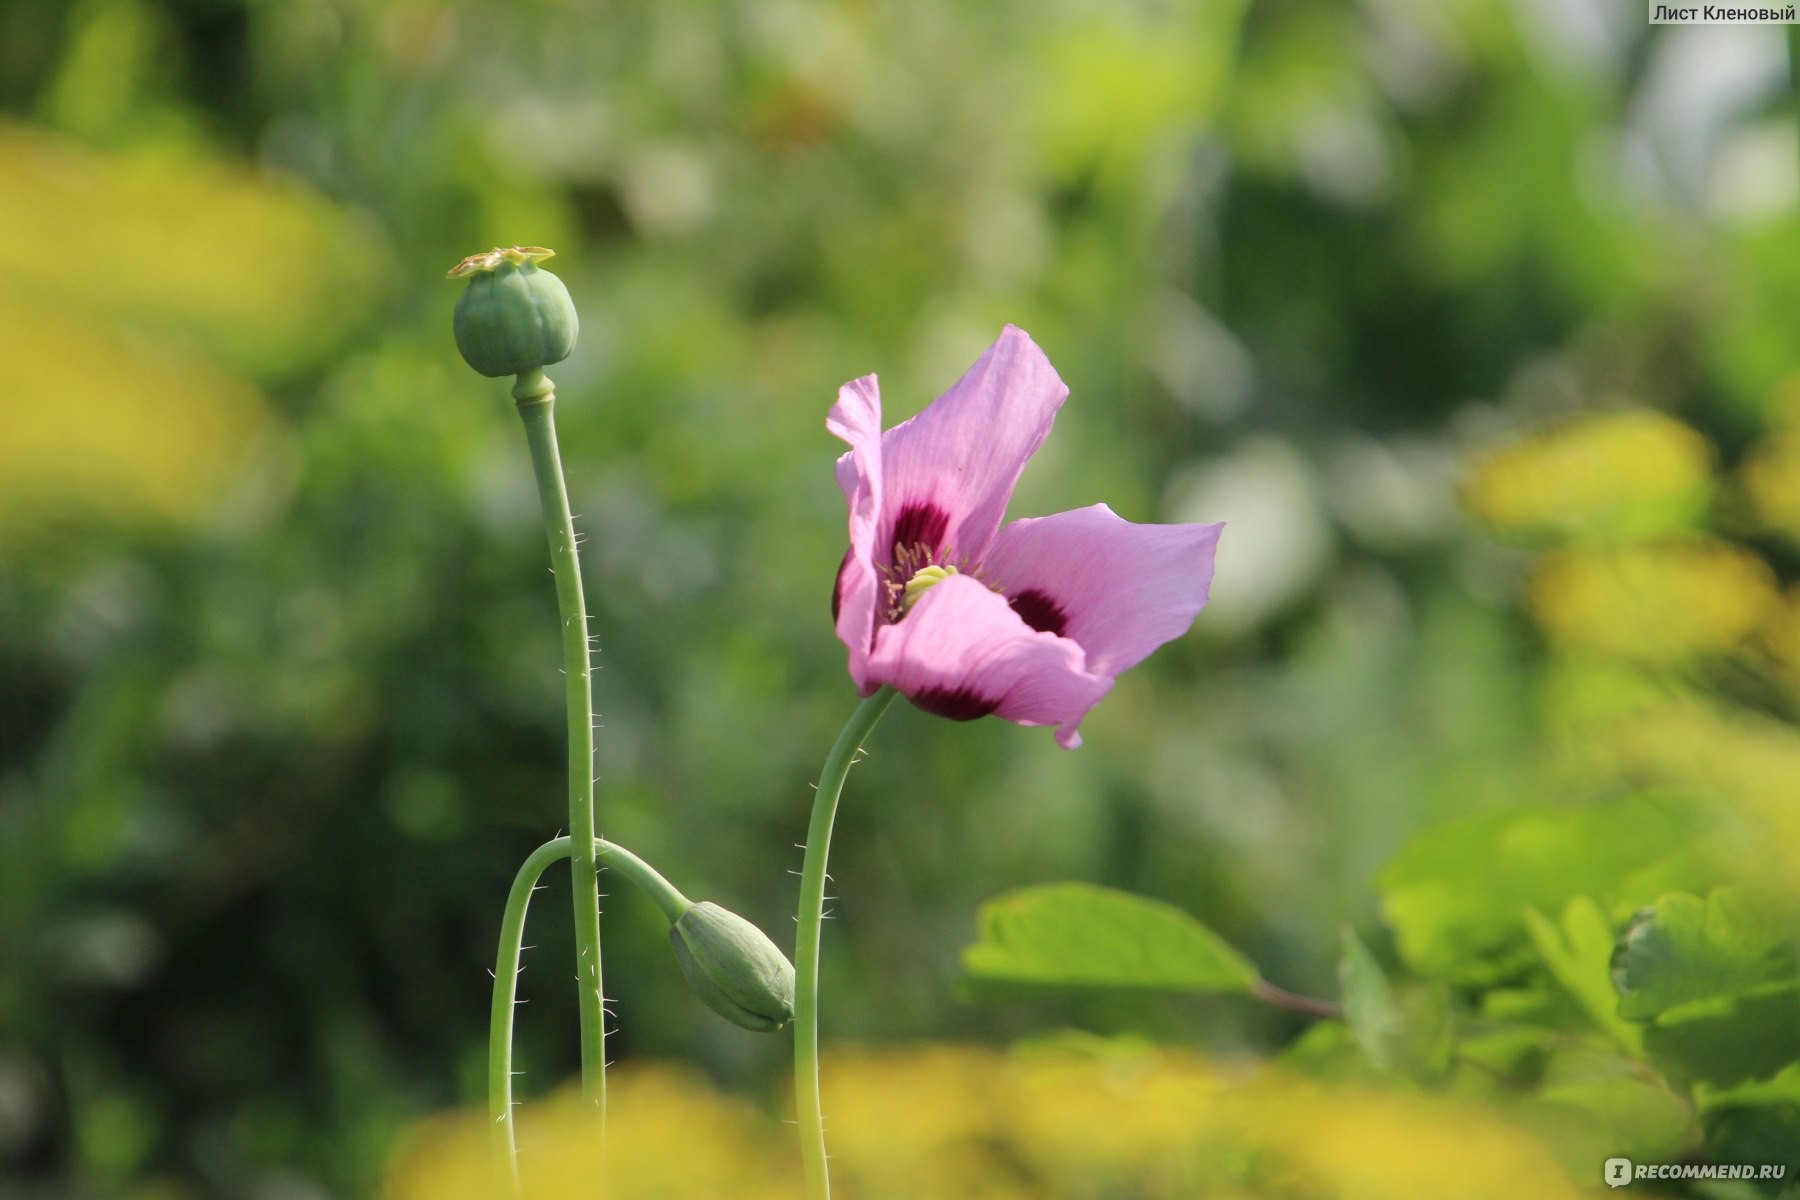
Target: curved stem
column 506, row 975
column 500, row 1015
column 536, row 398
column 810, row 1117
column 645, row 876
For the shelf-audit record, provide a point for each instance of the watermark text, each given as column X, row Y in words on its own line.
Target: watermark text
column 1662, row 13
column 1620, row 1171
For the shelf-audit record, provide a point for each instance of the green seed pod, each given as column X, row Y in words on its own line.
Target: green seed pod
column 513, row 317
column 734, row 968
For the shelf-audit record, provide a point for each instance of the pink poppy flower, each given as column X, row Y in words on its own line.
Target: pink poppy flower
column 1031, row 623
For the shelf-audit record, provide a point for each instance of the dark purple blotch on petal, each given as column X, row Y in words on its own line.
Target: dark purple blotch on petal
column 1038, row 610
column 958, row 704
column 921, row 523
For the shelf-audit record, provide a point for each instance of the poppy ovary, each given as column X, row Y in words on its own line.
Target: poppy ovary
column 514, row 317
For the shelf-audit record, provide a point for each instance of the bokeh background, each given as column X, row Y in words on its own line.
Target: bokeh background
column 1475, row 319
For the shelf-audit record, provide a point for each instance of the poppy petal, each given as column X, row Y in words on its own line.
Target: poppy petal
column 1116, row 588
column 856, row 418
column 950, row 471
column 963, row 653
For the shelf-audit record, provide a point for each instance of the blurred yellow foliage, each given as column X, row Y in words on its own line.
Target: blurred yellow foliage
column 264, row 273
column 1627, row 473
column 887, row 1113
column 147, row 293
column 1771, row 478
column 1371, row 1145
column 1747, row 762
column 668, row 1135
column 1782, row 637
column 1656, row 603
column 1066, row 1119
column 96, row 422
column 1783, row 405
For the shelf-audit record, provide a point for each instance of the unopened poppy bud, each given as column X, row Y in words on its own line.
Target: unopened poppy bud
column 513, row 317
column 734, row 968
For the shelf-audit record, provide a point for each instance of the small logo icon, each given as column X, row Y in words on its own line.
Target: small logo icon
column 1618, row 1172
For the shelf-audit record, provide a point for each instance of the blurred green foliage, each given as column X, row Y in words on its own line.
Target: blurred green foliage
column 1473, row 319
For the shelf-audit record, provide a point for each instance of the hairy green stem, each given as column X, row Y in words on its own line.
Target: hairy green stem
column 500, row 1014
column 506, row 975
column 809, row 1114
column 536, row 398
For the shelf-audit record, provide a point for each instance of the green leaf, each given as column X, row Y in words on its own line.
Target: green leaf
column 1455, row 894
column 1326, row 1050
column 1756, row 1134
column 1579, row 953
column 1591, row 1119
column 1413, row 1036
column 1686, row 949
column 1079, row 935
column 1504, row 1057
column 1780, row 1089
column 1370, row 1008
column 1725, row 1041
